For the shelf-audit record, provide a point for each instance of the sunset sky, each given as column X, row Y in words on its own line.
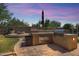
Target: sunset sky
column 31, row 12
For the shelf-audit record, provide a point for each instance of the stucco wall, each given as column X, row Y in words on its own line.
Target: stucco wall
column 42, row 38
column 63, row 40
column 66, row 41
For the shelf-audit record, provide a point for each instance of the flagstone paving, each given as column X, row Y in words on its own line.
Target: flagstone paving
column 44, row 50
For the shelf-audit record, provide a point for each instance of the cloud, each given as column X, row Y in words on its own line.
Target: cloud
column 51, row 11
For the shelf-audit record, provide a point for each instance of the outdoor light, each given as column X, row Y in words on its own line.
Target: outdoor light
column 73, row 39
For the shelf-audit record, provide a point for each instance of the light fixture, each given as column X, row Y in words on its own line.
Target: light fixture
column 73, row 39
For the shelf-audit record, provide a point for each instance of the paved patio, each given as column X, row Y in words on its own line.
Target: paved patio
column 44, row 50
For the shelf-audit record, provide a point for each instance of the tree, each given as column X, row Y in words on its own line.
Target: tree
column 77, row 28
column 17, row 23
column 55, row 24
column 48, row 24
column 14, row 23
column 69, row 27
column 5, row 15
column 37, row 25
column 52, row 24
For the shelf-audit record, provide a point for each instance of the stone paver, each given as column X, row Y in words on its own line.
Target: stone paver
column 44, row 50
column 72, row 53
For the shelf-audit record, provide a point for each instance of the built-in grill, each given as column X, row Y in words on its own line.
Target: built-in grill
column 67, row 41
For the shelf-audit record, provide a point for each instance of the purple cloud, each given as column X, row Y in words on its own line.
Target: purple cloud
column 51, row 10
